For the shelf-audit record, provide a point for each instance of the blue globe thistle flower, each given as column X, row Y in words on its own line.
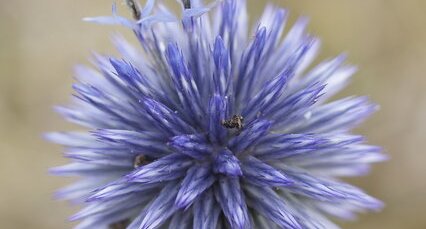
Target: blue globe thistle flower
column 208, row 125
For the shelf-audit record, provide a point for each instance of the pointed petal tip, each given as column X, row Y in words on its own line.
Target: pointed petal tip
column 50, row 136
column 56, row 137
column 93, row 198
column 56, row 171
column 183, row 203
column 383, row 157
column 74, row 217
column 87, row 19
column 59, row 195
column 226, row 163
column 378, row 205
column 372, row 204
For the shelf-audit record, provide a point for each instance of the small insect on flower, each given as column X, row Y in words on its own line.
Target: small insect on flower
column 235, row 122
column 206, row 123
column 140, row 160
column 120, row 225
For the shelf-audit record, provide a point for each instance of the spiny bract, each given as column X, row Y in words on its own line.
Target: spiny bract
column 209, row 125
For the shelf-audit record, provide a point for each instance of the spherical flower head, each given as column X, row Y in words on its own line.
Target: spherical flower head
column 209, row 124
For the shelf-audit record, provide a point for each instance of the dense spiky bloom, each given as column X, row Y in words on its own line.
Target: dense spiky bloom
column 211, row 126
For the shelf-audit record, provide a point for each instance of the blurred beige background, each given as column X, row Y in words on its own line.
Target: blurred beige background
column 41, row 41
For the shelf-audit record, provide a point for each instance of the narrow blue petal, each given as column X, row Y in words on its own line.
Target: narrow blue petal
column 291, row 49
column 258, row 173
column 181, row 220
column 274, row 19
column 281, row 146
column 161, row 16
column 199, row 55
column 328, row 190
column 93, row 157
column 190, row 16
column 152, row 14
column 232, row 26
column 266, row 97
column 112, row 83
column 232, row 201
column 340, row 170
column 80, row 190
column 250, row 64
column 184, row 83
column 157, row 212
column 297, row 104
column 196, row 181
column 167, row 168
column 322, row 72
column 340, row 209
column 221, row 77
column 165, row 118
column 112, row 20
column 356, row 154
column 146, row 81
column 90, row 170
column 196, row 10
column 135, row 81
column 105, row 220
column 206, row 211
column 106, row 105
column 140, row 142
column 218, row 111
column 250, row 135
column 226, row 163
column 332, row 73
column 267, row 203
column 105, row 207
column 72, row 139
column 194, row 146
column 80, row 118
column 109, row 20
column 335, row 117
column 295, row 35
column 306, row 212
column 272, row 90
column 201, row 62
column 120, row 188
column 348, row 161
column 338, row 81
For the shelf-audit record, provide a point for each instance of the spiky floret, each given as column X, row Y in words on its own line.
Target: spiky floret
column 211, row 126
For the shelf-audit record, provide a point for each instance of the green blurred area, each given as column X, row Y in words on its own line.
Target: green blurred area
column 41, row 41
